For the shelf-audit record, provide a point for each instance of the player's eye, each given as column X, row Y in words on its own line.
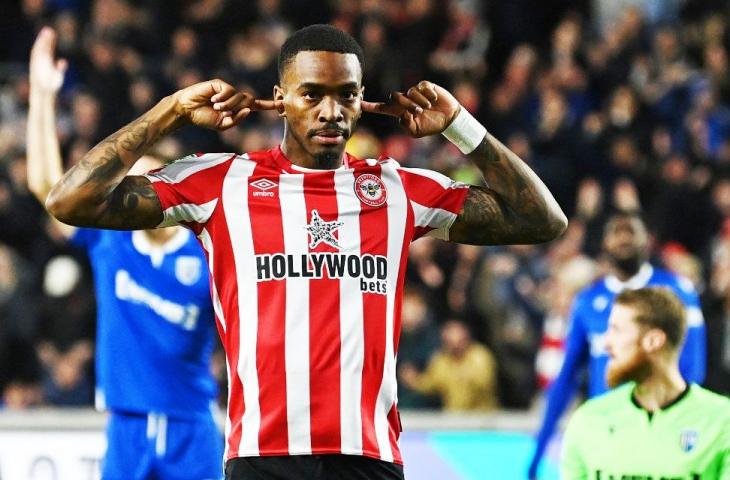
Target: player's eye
column 349, row 96
column 310, row 95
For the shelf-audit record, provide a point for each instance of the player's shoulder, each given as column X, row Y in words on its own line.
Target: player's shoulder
column 711, row 401
column 182, row 168
column 679, row 283
column 202, row 158
column 114, row 237
column 422, row 178
column 590, row 292
column 260, row 157
column 603, row 405
column 595, row 287
column 92, row 237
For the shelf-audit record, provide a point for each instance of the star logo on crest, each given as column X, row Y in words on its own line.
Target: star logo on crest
column 321, row 231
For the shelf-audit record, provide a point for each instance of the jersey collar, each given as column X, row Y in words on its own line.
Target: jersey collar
column 640, row 280
column 157, row 252
column 664, row 407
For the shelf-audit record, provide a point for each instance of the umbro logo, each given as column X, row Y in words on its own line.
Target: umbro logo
column 262, row 186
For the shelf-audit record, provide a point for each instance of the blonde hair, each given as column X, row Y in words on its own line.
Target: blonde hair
column 657, row 307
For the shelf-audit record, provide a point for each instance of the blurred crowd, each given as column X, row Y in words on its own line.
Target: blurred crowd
column 618, row 105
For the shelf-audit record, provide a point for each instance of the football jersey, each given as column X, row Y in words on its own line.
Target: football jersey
column 585, row 344
column 613, row 437
column 308, row 268
column 155, row 328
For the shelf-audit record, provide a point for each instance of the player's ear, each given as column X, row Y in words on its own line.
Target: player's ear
column 654, row 340
column 279, row 98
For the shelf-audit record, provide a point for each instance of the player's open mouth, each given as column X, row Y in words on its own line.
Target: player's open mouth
column 329, row 137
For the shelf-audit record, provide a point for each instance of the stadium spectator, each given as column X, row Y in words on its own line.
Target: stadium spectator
column 462, row 373
column 20, row 374
column 419, row 340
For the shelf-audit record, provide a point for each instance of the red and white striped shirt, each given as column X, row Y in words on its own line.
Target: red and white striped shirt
column 307, row 270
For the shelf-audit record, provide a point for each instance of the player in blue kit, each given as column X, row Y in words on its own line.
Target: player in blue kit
column 625, row 243
column 156, row 327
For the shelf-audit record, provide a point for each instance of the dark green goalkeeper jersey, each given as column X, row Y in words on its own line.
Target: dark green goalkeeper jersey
column 612, row 438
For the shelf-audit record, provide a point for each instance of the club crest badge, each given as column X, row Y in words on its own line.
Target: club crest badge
column 688, row 440
column 370, row 190
column 188, row 269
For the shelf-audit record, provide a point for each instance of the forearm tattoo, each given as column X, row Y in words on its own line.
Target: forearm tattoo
column 515, row 207
column 104, row 196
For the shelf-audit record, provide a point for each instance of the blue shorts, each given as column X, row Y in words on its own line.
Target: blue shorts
column 156, row 446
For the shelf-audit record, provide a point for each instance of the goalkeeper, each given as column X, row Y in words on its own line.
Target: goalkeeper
column 655, row 426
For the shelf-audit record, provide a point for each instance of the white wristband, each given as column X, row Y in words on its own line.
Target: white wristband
column 465, row 132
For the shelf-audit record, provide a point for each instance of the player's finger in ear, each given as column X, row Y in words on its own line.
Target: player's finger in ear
column 267, row 104
column 418, row 97
column 407, row 103
column 392, row 109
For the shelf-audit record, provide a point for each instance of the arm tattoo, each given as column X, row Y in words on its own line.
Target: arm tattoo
column 96, row 192
column 515, row 207
column 486, row 219
column 129, row 205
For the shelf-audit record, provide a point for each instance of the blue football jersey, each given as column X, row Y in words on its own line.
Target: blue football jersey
column 585, row 344
column 156, row 328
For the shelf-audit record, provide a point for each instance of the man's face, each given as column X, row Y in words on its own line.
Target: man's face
column 626, row 241
column 321, row 93
column 628, row 359
column 455, row 338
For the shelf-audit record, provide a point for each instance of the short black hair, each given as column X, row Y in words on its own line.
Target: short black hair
column 318, row 37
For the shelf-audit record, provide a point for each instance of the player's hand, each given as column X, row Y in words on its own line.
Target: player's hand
column 46, row 73
column 423, row 110
column 217, row 105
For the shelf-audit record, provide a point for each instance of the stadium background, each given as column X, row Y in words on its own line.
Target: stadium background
column 617, row 104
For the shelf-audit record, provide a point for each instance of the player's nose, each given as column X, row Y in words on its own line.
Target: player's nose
column 330, row 111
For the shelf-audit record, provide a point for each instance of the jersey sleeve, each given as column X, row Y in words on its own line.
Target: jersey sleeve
column 572, row 463
column 189, row 188
column 436, row 201
column 693, row 358
column 565, row 385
